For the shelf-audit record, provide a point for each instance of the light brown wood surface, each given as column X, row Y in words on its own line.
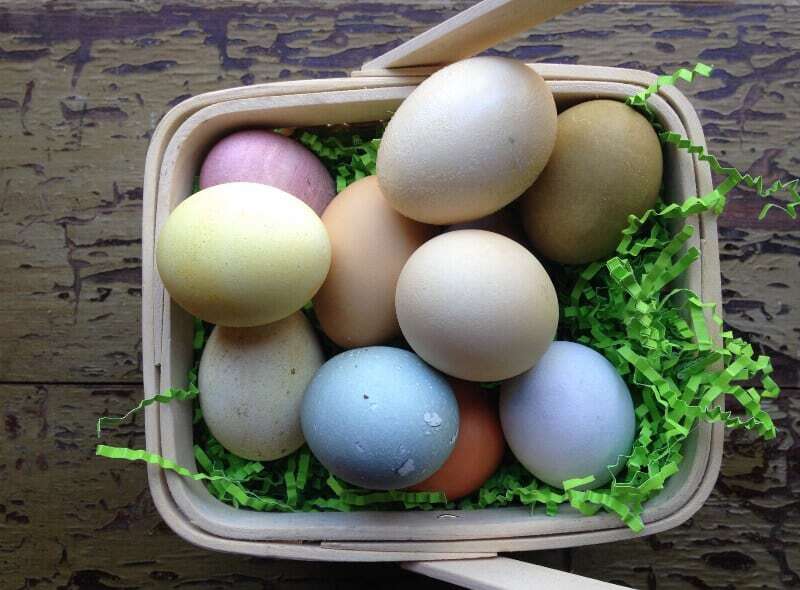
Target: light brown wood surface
column 83, row 87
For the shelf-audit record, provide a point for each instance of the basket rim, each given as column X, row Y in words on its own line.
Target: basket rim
column 163, row 485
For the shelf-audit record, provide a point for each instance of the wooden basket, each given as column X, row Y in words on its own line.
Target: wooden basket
column 173, row 160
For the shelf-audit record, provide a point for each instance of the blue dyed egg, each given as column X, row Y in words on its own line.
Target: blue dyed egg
column 380, row 418
column 569, row 416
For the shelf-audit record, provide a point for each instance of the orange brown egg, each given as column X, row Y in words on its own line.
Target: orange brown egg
column 479, row 447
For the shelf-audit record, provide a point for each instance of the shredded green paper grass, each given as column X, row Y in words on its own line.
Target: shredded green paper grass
column 656, row 335
column 347, row 155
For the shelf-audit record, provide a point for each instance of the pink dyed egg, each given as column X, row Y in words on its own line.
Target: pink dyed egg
column 258, row 155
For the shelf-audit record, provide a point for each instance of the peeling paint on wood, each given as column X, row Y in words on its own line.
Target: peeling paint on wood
column 71, row 521
column 745, row 536
column 84, row 89
column 84, row 85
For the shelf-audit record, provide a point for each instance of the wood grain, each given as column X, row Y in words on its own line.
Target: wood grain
column 84, row 85
column 84, row 89
column 70, row 520
column 745, row 536
column 73, row 521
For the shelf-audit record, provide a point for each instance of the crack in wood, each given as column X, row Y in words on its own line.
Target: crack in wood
column 85, row 87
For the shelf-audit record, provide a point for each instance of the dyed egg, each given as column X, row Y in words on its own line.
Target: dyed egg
column 468, row 141
column 258, row 155
column 505, row 222
column 242, row 254
column 606, row 166
column 380, row 418
column 252, row 382
column 476, row 305
column 570, row 416
column 479, row 447
column 370, row 243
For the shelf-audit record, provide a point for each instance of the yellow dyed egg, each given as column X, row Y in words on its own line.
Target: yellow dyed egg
column 242, row 254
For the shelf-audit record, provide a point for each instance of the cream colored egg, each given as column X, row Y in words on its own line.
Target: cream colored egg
column 468, row 141
column 371, row 242
column 252, row 382
column 243, row 254
column 476, row 305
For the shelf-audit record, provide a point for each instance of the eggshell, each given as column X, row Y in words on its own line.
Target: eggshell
column 606, row 165
column 505, row 222
column 380, row 418
column 258, row 155
column 468, row 141
column 570, row 416
column 476, row 305
column 479, row 447
column 252, row 382
column 242, row 254
column 370, row 242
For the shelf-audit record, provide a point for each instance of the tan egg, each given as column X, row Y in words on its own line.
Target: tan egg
column 370, row 243
column 252, row 382
column 476, row 305
column 606, row 165
column 468, row 141
column 242, row 254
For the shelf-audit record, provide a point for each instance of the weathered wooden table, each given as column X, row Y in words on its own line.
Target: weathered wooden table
column 83, row 86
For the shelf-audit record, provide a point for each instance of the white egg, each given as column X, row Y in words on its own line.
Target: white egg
column 468, row 141
column 476, row 305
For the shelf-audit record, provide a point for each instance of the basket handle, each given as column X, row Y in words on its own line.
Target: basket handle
column 479, row 27
column 502, row 573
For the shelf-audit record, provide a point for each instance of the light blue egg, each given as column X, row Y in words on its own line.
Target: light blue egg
column 569, row 416
column 380, row 418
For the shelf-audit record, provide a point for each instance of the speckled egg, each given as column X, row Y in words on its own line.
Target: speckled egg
column 469, row 140
column 252, row 382
column 242, row 254
column 476, row 305
column 380, row 418
column 569, row 416
column 258, row 155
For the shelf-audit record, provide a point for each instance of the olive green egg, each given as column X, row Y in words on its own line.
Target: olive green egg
column 606, row 165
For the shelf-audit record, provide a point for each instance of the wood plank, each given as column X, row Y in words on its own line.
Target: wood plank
column 761, row 291
column 69, row 519
column 502, row 573
column 746, row 535
column 86, row 83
